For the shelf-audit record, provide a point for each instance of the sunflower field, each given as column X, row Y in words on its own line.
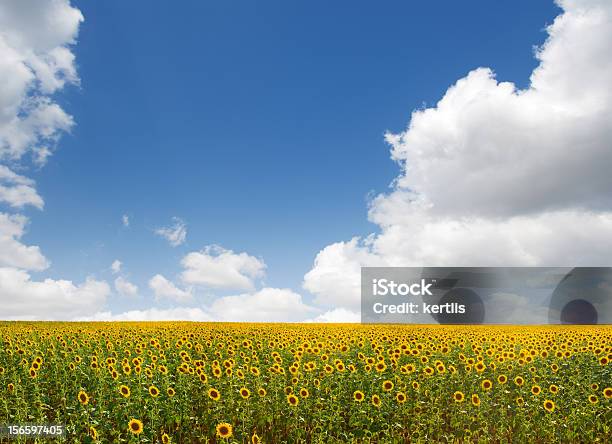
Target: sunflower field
column 284, row 383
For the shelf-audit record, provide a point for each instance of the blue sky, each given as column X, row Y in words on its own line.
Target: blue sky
column 261, row 126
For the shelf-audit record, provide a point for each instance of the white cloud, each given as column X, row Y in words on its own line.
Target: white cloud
column 125, row 287
column 152, row 314
column 174, row 234
column 265, row 305
column 216, row 267
column 491, row 149
column 338, row 316
column 22, row 298
column 495, row 175
column 164, row 289
column 335, row 278
column 12, row 252
column 116, row 266
column 35, row 62
column 125, row 220
column 18, row 191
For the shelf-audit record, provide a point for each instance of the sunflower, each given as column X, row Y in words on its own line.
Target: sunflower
column 553, row 389
column 135, row 426
column 214, row 394
column 245, row 393
column 594, row 386
column 224, row 430
column 536, row 390
column 93, row 433
column 593, row 399
column 153, row 391
column 519, row 381
column 376, row 400
column 458, row 396
column 475, row 400
column 358, row 396
column 415, row 385
column 607, row 392
column 519, row 400
column 165, row 439
column 502, row 379
column 304, row 392
column 125, row 391
column 381, row 367
column 400, row 397
column 387, row 385
column 255, row 439
column 292, row 400
column 549, row 405
column 486, row 384
column 261, row 392
column 171, row 392
column 83, row 397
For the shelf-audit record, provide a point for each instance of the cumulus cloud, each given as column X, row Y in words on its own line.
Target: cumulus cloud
column 152, row 314
column 116, row 266
column 217, row 267
column 12, row 252
column 335, row 278
column 18, row 191
column 497, row 175
column 174, row 234
column 125, row 220
column 125, row 287
column 35, row 61
column 338, row 316
column 265, row 305
column 23, row 298
column 165, row 289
